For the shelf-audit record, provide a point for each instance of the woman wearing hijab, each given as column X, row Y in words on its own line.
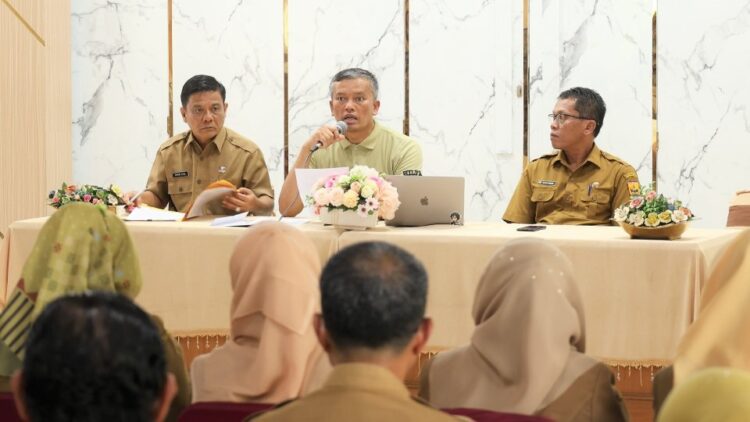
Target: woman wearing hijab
column 717, row 338
column 81, row 247
column 272, row 354
column 526, row 352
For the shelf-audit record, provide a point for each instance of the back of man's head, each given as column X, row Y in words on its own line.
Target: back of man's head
column 92, row 357
column 373, row 297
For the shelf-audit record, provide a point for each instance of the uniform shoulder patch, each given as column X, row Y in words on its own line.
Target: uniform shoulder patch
column 241, row 142
column 634, row 187
column 173, row 140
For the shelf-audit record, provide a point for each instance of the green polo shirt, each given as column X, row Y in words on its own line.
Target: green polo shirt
column 385, row 150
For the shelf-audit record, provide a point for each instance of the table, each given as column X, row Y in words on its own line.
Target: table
column 639, row 295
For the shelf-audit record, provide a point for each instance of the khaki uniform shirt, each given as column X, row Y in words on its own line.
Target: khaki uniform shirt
column 182, row 169
column 358, row 392
column 550, row 193
column 385, row 150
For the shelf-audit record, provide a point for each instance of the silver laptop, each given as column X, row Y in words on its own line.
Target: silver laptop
column 428, row 200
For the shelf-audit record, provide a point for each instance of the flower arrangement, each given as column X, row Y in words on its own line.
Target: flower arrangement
column 96, row 195
column 650, row 209
column 362, row 190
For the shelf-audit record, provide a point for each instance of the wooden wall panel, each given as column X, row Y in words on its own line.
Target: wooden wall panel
column 35, row 135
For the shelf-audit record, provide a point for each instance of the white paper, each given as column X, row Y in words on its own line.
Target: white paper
column 205, row 198
column 306, row 178
column 153, row 214
column 238, row 220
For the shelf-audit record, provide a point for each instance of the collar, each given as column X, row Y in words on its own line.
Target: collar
column 369, row 142
column 218, row 139
column 366, row 376
column 594, row 157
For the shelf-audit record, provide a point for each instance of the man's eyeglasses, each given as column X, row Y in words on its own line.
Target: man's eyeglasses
column 560, row 118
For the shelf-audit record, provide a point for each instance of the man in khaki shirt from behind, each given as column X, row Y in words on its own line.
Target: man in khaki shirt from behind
column 373, row 297
column 580, row 184
column 187, row 163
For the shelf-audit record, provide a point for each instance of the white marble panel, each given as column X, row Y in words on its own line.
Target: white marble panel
column 241, row 45
column 600, row 44
column 119, row 84
column 704, row 93
column 465, row 63
column 328, row 36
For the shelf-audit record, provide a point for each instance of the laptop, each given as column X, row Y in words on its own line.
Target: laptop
column 428, row 200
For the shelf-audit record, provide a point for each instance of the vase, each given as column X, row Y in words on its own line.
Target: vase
column 666, row 232
column 347, row 219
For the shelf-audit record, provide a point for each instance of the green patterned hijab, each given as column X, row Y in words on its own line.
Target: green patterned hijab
column 81, row 247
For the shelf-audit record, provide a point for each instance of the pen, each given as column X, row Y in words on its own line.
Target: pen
column 137, row 195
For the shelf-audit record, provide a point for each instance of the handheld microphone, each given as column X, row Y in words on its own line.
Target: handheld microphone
column 341, row 127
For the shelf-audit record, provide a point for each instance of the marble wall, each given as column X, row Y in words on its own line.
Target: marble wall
column 464, row 74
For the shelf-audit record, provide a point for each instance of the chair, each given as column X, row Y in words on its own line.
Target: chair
column 481, row 415
column 8, row 412
column 739, row 209
column 220, row 411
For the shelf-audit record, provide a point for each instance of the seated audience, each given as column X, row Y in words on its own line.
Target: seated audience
column 93, row 357
column 714, row 339
column 272, row 354
column 526, row 352
column 373, row 328
column 714, row 394
column 81, row 247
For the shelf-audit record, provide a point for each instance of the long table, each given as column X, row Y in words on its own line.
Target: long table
column 639, row 295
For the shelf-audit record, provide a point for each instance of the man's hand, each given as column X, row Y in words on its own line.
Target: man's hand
column 326, row 135
column 241, row 200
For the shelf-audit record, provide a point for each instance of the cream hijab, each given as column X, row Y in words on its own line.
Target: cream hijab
column 273, row 353
column 527, row 347
column 720, row 336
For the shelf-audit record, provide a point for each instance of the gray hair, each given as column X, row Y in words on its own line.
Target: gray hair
column 355, row 73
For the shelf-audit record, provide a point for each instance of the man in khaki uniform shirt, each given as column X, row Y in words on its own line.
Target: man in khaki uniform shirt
column 187, row 163
column 373, row 328
column 354, row 100
column 580, row 184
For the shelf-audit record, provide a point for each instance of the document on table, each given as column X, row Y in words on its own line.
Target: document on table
column 153, row 214
column 242, row 220
column 306, row 178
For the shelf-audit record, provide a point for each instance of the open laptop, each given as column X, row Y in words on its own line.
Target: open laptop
column 428, row 200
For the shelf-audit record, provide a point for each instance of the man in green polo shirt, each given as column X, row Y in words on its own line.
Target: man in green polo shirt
column 354, row 100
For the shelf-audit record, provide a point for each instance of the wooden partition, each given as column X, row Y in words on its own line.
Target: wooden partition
column 35, row 105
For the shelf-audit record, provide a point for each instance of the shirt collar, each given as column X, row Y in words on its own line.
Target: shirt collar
column 594, row 157
column 369, row 142
column 218, row 139
column 368, row 377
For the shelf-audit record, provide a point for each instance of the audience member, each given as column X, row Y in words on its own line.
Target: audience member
column 526, row 352
column 373, row 328
column 272, row 354
column 93, row 356
column 715, row 338
column 579, row 184
column 354, row 101
column 708, row 395
column 187, row 163
column 81, row 247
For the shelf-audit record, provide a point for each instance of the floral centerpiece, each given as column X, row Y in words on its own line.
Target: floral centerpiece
column 97, row 195
column 361, row 192
column 651, row 210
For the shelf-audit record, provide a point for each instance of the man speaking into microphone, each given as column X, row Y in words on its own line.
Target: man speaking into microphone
column 363, row 141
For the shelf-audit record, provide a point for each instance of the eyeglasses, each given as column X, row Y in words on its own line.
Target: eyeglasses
column 560, row 118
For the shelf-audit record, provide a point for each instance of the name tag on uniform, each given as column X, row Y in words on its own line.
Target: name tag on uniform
column 412, row 173
column 180, row 174
column 547, row 182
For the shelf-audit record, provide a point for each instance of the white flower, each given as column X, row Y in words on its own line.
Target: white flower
column 636, row 219
column 350, row 199
column 111, row 200
column 678, row 216
column 621, row 214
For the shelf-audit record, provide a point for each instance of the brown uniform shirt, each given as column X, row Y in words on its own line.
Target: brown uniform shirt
column 550, row 193
column 182, row 169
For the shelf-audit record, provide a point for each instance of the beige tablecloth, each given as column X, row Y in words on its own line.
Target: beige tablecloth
column 639, row 295
column 185, row 268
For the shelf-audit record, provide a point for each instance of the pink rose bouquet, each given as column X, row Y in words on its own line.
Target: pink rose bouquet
column 650, row 209
column 362, row 190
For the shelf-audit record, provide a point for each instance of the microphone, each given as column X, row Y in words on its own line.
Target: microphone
column 341, row 127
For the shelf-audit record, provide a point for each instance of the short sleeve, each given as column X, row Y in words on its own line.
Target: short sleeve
column 157, row 179
column 626, row 184
column 411, row 159
column 256, row 177
column 520, row 209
